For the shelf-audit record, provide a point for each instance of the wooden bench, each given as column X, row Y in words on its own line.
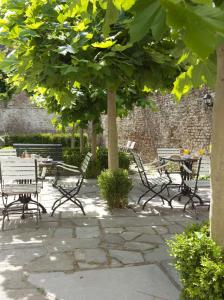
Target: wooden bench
column 53, row 151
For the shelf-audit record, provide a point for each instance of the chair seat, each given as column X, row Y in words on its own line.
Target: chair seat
column 15, row 189
column 159, row 180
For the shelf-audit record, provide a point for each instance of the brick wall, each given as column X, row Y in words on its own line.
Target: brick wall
column 187, row 124
column 19, row 115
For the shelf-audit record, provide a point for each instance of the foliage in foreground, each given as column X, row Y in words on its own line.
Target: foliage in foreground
column 199, row 262
column 114, row 187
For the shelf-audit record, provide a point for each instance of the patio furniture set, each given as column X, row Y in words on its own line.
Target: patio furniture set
column 21, row 180
column 189, row 168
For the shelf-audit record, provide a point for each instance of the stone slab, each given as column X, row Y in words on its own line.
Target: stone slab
column 127, row 257
column 97, row 256
column 62, row 245
column 87, row 232
column 128, row 236
column 52, row 263
column 141, row 229
column 149, row 238
column 138, row 246
column 129, row 283
column 133, row 221
column 22, row 294
column 157, row 255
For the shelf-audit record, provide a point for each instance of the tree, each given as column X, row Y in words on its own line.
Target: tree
column 198, row 28
column 6, row 90
column 55, row 45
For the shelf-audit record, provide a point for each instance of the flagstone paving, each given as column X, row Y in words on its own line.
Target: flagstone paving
column 69, row 242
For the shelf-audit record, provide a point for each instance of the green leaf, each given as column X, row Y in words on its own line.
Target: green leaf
column 106, row 44
column 124, row 4
column 202, row 2
column 14, row 33
column 149, row 14
column 111, row 17
column 202, row 26
column 35, row 25
column 182, row 86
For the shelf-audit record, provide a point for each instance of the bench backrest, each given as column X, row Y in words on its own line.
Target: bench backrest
column 167, row 152
column 7, row 153
column 44, row 150
column 18, row 169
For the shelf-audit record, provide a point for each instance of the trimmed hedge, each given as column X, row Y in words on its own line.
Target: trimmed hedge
column 43, row 138
column 114, row 187
column 73, row 157
column 200, row 263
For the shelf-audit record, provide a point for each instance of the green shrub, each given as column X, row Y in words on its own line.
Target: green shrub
column 114, row 187
column 43, row 138
column 199, row 262
column 73, row 157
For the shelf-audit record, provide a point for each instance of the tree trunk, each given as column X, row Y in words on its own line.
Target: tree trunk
column 93, row 141
column 112, row 131
column 73, row 137
column 217, row 156
column 81, row 141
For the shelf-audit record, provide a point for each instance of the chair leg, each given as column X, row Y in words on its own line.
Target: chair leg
column 145, row 193
column 79, row 204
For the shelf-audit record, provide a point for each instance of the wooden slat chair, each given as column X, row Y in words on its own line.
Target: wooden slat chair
column 7, row 153
column 70, row 189
column 128, row 147
column 155, row 185
column 19, row 178
column 167, row 152
column 205, row 166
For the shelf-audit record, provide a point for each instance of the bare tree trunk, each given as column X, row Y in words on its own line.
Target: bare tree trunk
column 112, row 131
column 217, row 157
column 73, row 137
column 93, row 141
column 81, row 141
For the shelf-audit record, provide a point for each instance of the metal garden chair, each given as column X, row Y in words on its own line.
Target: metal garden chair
column 154, row 185
column 70, row 190
column 189, row 185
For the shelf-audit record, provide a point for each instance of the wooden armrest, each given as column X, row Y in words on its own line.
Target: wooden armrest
column 162, row 166
column 186, row 169
column 68, row 168
column 60, row 164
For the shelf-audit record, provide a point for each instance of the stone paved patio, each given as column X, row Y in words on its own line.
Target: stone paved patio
column 72, row 243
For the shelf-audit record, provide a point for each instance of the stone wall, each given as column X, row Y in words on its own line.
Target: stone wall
column 19, row 115
column 187, row 124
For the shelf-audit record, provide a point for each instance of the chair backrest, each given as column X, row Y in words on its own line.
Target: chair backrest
column 7, row 153
column 132, row 146
column 205, row 166
column 167, row 152
column 141, row 169
column 129, row 146
column 18, row 169
column 52, row 150
column 85, row 163
column 196, row 173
